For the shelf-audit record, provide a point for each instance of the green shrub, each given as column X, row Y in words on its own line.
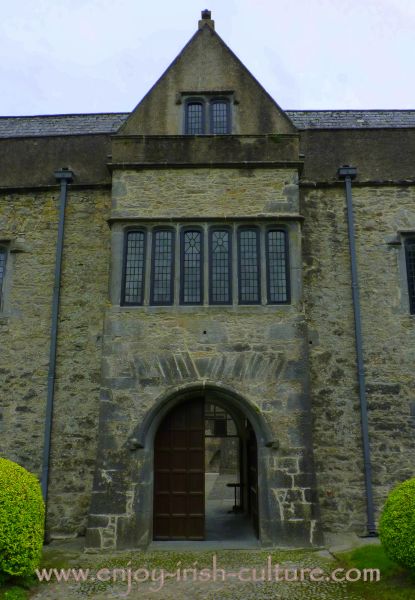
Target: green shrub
column 397, row 525
column 22, row 514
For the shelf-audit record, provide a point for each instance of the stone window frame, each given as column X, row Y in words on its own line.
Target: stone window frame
column 127, row 232
column 207, row 100
column 183, row 230
column 4, row 251
column 409, row 240
column 154, row 231
column 283, row 230
column 211, row 231
column 259, row 260
column 206, row 228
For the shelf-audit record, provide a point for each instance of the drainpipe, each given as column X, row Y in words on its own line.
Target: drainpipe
column 64, row 176
column 348, row 173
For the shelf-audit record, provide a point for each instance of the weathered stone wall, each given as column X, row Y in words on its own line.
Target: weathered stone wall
column 214, row 192
column 30, row 221
column 258, row 352
column 389, row 340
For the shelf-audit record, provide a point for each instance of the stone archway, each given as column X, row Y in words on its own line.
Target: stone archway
column 121, row 513
column 144, row 436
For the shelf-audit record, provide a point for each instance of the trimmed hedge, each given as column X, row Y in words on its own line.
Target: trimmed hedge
column 22, row 514
column 397, row 525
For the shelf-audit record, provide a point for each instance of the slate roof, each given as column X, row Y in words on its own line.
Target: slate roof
column 61, row 125
column 352, row 119
column 107, row 123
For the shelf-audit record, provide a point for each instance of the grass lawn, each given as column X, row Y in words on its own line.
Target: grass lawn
column 395, row 583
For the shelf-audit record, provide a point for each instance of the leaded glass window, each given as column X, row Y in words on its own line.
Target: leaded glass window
column 3, row 257
column 220, row 271
column 192, row 273
column 194, row 118
column 219, row 117
column 410, row 270
column 162, row 267
column 277, row 266
column 249, row 270
column 133, row 285
column 261, row 255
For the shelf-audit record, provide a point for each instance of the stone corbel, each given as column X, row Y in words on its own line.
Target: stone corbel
column 273, row 444
column 133, row 444
column 19, row 245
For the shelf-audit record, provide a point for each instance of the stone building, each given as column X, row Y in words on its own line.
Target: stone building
column 208, row 249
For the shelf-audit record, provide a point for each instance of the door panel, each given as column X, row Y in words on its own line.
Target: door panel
column 179, row 467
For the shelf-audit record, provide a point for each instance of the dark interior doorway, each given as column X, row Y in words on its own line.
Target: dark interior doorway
column 205, row 474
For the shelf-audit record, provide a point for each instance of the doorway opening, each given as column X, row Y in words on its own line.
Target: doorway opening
column 226, row 477
column 205, row 474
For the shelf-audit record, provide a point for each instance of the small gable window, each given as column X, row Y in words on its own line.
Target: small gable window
column 195, row 118
column 207, row 115
column 219, row 116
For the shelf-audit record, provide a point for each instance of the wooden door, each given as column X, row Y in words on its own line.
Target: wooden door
column 179, row 474
column 252, row 468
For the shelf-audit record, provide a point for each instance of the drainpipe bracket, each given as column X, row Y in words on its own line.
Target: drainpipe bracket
column 346, row 171
column 64, row 174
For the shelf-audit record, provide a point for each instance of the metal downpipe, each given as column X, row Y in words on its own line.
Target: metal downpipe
column 348, row 173
column 63, row 176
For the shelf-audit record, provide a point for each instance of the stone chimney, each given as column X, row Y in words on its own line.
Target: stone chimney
column 206, row 20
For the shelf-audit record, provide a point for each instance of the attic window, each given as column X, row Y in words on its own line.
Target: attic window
column 207, row 115
column 219, row 116
column 194, row 118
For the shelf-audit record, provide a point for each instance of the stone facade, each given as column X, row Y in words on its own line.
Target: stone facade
column 381, row 213
column 29, row 224
column 289, row 369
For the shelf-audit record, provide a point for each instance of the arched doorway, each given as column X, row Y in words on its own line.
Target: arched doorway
column 205, row 473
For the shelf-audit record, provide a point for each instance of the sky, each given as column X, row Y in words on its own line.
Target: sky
column 86, row 56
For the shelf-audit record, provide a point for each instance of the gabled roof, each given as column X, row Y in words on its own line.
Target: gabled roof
column 206, row 65
column 109, row 123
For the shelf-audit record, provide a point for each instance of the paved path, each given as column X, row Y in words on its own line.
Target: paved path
column 232, row 588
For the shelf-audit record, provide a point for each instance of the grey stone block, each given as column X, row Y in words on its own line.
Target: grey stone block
column 299, row 402
column 93, row 538
column 383, row 388
column 282, row 480
column 111, row 503
column 97, row 521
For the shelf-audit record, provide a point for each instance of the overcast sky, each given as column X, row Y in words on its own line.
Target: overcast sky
column 77, row 56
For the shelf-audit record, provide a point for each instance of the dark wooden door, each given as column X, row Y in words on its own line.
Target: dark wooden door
column 179, row 474
column 252, row 468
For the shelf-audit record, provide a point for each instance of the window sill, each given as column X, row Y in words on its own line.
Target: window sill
column 227, row 308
